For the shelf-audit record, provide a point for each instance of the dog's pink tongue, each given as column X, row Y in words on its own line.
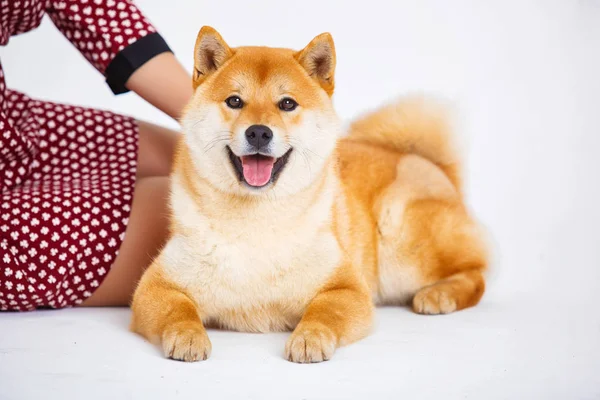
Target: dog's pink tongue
column 257, row 169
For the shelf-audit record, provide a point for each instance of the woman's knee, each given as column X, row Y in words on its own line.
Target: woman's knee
column 156, row 149
column 150, row 214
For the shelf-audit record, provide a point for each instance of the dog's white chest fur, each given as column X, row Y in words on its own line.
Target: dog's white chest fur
column 254, row 274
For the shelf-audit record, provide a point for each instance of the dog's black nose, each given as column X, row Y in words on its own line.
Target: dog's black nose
column 259, row 136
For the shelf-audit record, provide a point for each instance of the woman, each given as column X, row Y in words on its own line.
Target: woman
column 83, row 191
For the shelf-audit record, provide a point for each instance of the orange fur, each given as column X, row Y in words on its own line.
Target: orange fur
column 376, row 217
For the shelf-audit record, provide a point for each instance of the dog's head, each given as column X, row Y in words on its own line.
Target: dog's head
column 261, row 119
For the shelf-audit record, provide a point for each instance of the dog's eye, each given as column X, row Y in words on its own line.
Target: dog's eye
column 288, row 104
column 234, row 102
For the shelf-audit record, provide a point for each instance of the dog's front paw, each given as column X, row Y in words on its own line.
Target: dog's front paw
column 310, row 343
column 186, row 341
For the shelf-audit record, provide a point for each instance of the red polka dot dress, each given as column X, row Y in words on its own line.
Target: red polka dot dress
column 67, row 173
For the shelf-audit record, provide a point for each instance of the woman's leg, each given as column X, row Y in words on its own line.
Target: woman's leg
column 148, row 223
column 156, row 148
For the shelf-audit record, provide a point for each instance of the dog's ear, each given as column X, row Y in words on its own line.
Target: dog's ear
column 318, row 59
column 210, row 53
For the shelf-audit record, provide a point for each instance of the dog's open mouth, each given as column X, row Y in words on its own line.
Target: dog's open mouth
column 258, row 170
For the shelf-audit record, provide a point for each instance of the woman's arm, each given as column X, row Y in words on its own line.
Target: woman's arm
column 123, row 45
column 164, row 83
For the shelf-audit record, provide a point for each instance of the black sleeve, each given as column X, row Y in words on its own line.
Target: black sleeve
column 132, row 57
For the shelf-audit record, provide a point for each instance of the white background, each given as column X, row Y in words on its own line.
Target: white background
column 524, row 76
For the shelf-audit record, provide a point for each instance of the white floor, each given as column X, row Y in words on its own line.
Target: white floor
column 524, row 75
column 524, row 348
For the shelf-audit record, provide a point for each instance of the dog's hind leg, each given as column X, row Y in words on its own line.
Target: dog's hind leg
column 456, row 292
column 430, row 251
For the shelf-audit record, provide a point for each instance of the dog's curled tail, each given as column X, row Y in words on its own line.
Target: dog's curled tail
column 413, row 125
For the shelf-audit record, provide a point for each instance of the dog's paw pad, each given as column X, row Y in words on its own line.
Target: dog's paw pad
column 186, row 341
column 436, row 299
column 310, row 344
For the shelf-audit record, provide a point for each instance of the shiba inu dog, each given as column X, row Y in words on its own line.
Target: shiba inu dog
column 284, row 221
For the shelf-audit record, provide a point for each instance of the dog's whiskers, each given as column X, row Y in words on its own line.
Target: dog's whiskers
column 303, row 151
column 197, row 122
column 221, row 138
column 315, row 154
